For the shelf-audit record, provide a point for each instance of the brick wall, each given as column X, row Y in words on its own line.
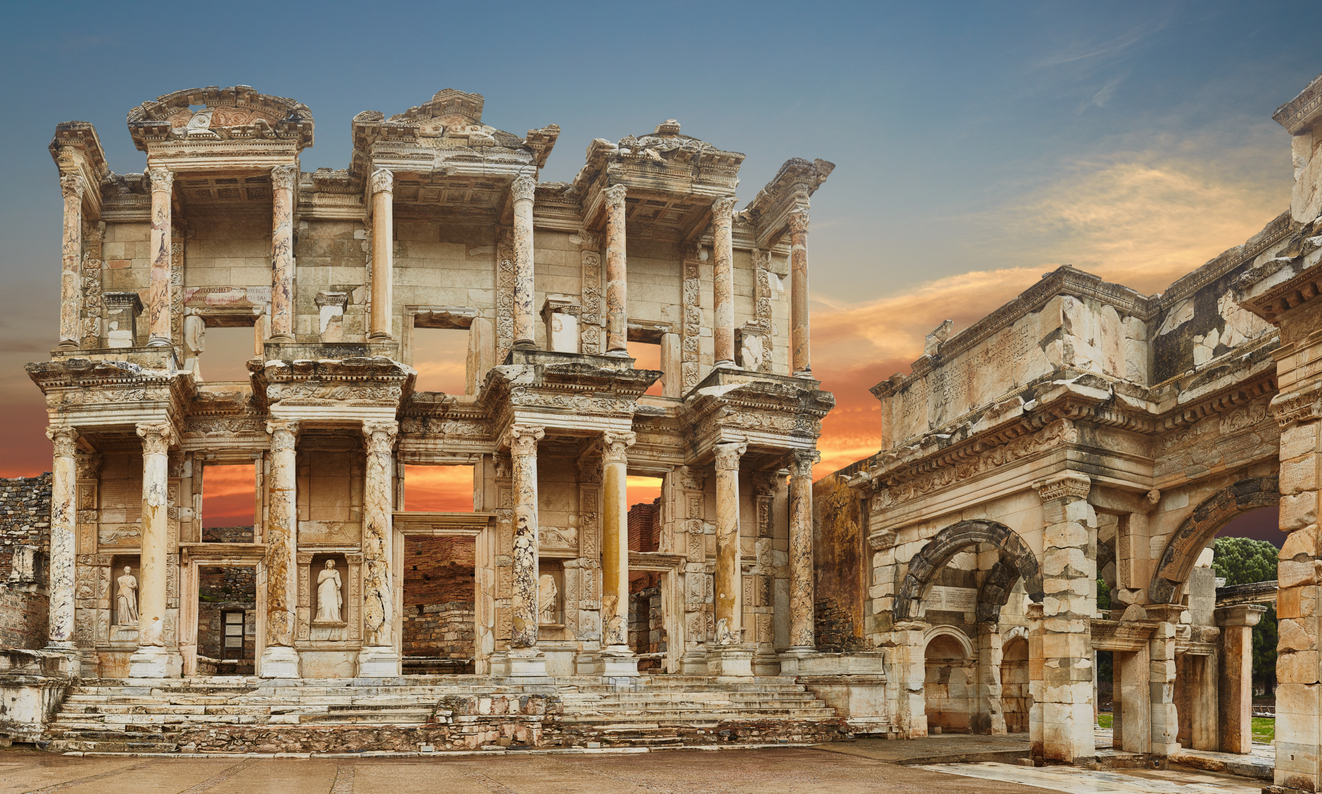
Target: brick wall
column 24, row 516
column 439, row 587
column 24, row 521
column 645, row 526
column 836, row 632
column 646, row 627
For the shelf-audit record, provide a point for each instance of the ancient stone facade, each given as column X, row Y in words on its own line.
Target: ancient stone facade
column 439, row 221
column 1086, row 431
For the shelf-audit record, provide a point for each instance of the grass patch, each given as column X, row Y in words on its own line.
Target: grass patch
column 1264, row 729
column 1104, row 720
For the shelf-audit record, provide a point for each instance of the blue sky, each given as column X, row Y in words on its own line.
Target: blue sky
column 977, row 144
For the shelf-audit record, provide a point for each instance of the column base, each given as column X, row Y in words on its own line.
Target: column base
column 618, row 661
column 156, row 341
column 587, row 663
column 378, row 661
column 618, row 353
column 525, row 663
column 278, row 661
column 766, row 662
column 151, row 661
column 791, row 659
column 730, row 661
column 694, row 661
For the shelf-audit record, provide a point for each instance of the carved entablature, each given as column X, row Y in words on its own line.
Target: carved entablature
column 87, row 391
column 787, row 193
column 440, row 428
column 237, row 114
column 578, row 389
column 77, row 150
column 362, row 382
column 768, row 410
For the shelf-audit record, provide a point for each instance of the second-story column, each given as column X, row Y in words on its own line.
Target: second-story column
column 523, row 189
column 158, row 285
column 1235, row 702
column 524, row 657
column 71, row 186
column 383, row 252
column 283, row 180
column 279, row 659
column 153, row 659
column 800, row 339
column 723, row 279
column 617, row 311
column 380, row 656
column 616, row 655
column 802, row 629
column 64, row 490
column 731, row 658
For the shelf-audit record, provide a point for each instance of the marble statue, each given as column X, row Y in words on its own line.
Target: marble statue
column 328, row 594
column 127, row 598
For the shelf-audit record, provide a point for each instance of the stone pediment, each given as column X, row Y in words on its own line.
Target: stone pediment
column 359, row 381
column 212, row 114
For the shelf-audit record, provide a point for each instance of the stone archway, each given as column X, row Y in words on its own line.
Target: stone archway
column 1017, row 560
column 1182, row 550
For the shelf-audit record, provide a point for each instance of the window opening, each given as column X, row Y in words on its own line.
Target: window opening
column 226, row 355
column 439, row 489
column 440, row 355
column 229, row 502
column 647, row 355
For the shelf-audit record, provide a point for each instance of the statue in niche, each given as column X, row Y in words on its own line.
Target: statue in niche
column 328, row 594
column 546, row 599
column 126, row 599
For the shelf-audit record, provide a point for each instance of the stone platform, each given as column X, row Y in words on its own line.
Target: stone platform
column 433, row 713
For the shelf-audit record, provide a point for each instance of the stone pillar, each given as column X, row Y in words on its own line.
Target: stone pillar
column 153, row 659
column 1202, row 688
column 284, row 178
column 383, row 253
column 731, row 656
column 1161, row 679
column 279, row 659
column 1036, row 672
column 158, row 286
column 990, row 717
column 1235, row 702
column 63, row 514
column 617, row 656
column 800, row 353
column 802, row 630
column 1132, row 726
column 617, row 313
column 1068, row 577
column 523, row 189
column 379, row 657
column 71, row 186
column 723, row 284
column 524, row 657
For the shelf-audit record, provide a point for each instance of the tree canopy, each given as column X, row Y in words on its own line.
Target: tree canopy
column 1243, row 561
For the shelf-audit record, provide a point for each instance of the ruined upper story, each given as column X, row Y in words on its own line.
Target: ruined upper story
column 426, row 214
column 1073, row 336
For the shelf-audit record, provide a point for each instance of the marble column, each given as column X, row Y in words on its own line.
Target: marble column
column 731, row 657
column 279, row 659
column 616, row 654
column 63, row 514
column 723, row 282
column 153, row 659
column 383, row 253
column 525, row 658
column 379, row 657
column 158, row 285
column 800, row 353
column 523, row 191
column 71, row 186
column 1236, row 697
column 283, row 180
column 802, row 630
column 617, row 314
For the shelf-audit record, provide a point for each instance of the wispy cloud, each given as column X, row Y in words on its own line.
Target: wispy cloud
column 1105, row 51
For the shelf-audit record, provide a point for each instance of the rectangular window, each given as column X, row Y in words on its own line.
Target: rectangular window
column 228, row 351
column 439, row 489
column 647, row 355
column 440, row 355
column 229, row 500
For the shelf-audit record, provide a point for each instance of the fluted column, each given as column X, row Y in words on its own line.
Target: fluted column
column 381, row 656
column 283, row 180
column 617, row 656
column 71, row 186
column 523, row 455
column 723, row 279
column 279, row 659
column 800, row 339
column 383, row 252
column 64, row 482
column 617, row 312
column 802, row 629
column 153, row 659
column 523, row 190
column 158, row 285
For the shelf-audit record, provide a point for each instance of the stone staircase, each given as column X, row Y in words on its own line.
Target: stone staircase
column 425, row 713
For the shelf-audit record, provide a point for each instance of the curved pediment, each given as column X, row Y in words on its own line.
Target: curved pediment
column 216, row 113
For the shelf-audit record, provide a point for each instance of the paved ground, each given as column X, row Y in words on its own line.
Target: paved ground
column 865, row 766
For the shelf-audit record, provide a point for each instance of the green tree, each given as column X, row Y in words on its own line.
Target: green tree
column 1244, row 561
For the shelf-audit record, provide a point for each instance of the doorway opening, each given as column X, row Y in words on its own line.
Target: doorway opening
column 440, row 589
column 226, row 619
column 948, row 685
column 1014, row 685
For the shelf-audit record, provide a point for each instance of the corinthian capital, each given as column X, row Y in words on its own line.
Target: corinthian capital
column 381, row 435
column 65, row 438
column 284, row 434
column 524, row 188
column 589, row 241
column 383, row 180
column 162, row 179
column 72, row 186
column 801, row 462
column 524, row 438
column 1066, row 486
column 615, row 446
column 284, row 177
column 615, row 197
column 799, row 221
column 722, row 209
column 728, row 454
column 156, row 437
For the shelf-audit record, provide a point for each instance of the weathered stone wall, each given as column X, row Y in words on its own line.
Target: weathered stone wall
column 24, row 516
column 439, row 581
column 838, row 563
column 25, row 523
column 23, row 617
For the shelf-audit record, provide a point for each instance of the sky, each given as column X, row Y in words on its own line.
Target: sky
column 977, row 145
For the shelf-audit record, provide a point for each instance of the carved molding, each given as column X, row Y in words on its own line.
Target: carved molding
column 284, row 177
column 523, row 188
column 382, row 181
column 381, row 435
column 722, row 210
column 798, row 221
column 65, row 440
column 615, row 446
column 284, row 434
column 728, row 454
column 72, row 186
column 156, row 437
column 523, row 439
column 1066, row 486
column 162, row 179
column 614, row 197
